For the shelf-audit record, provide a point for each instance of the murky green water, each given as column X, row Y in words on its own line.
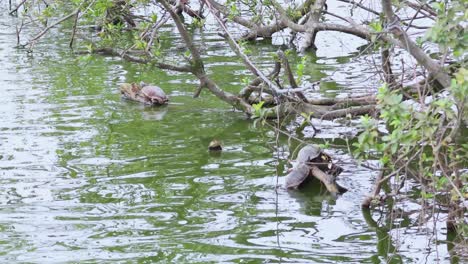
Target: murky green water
column 86, row 177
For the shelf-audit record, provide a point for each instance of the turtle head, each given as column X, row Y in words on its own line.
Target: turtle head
column 159, row 100
column 125, row 87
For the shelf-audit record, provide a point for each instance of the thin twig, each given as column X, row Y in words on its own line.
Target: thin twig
column 32, row 41
column 17, row 7
column 74, row 30
column 239, row 52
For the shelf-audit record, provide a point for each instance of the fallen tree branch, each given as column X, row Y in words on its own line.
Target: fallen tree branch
column 328, row 180
column 308, row 41
column 357, row 101
column 366, row 203
column 360, row 100
column 325, row 112
column 292, row 80
column 198, row 66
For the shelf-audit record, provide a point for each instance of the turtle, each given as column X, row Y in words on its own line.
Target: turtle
column 215, row 145
column 297, row 176
column 310, row 155
column 154, row 94
column 313, row 155
column 144, row 93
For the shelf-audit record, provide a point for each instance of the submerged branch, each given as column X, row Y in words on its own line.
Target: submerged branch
column 328, row 180
column 366, row 203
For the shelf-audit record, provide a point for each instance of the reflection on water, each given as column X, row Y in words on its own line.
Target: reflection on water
column 90, row 178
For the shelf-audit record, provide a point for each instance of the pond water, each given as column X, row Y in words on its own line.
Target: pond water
column 86, row 177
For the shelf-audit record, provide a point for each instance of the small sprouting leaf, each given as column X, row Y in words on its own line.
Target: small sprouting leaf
column 426, row 195
column 376, row 26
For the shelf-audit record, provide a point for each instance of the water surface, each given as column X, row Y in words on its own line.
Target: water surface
column 86, row 177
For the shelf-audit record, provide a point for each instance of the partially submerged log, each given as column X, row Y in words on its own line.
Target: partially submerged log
column 328, row 180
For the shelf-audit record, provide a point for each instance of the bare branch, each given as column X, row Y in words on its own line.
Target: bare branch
column 197, row 63
column 44, row 31
column 393, row 25
column 124, row 55
column 361, row 6
column 15, row 10
column 290, row 75
column 72, row 38
column 239, row 52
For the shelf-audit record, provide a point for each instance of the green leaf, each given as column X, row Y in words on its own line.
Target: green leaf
column 427, row 195
column 376, row 26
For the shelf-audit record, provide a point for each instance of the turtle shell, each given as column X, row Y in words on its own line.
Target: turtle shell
column 297, row 176
column 308, row 153
column 153, row 91
column 154, row 94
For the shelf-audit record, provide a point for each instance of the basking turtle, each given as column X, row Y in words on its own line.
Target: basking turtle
column 309, row 159
column 144, row 93
column 313, row 155
column 297, row 176
column 154, row 94
column 308, row 153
